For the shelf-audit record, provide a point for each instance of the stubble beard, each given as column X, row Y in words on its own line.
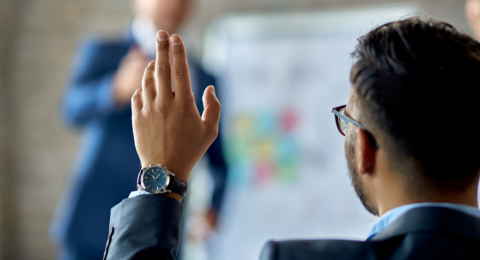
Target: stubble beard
column 356, row 181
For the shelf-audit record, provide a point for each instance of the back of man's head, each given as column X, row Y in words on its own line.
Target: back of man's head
column 417, row 86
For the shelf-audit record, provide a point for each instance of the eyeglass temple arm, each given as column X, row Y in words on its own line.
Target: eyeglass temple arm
column 348, row 119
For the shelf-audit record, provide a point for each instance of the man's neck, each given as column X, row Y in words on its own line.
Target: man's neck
column 389, row 190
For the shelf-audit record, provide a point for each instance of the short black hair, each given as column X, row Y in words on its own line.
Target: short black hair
column 418, row 88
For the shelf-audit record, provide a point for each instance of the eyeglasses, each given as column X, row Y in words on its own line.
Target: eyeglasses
column 342, row 121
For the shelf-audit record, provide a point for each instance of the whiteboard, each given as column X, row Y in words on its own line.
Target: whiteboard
column 279, row 76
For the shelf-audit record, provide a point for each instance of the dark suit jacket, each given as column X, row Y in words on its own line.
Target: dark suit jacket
column 107, row 165
column 147, row 227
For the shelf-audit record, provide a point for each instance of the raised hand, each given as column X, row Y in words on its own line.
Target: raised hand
column 167, row 127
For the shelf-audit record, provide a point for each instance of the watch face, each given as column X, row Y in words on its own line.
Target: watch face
column 155, row 179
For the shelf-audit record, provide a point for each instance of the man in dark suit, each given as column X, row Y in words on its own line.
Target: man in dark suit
column 411, row 157
column 98, row 102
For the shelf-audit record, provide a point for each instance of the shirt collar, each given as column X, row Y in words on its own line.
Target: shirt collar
column 393, row 214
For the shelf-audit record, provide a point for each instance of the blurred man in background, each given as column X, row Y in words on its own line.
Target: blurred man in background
column 98, row 101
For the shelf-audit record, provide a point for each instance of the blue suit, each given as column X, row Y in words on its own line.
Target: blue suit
column 107, row 164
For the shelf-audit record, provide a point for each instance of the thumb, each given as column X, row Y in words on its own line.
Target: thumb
column 212, row 108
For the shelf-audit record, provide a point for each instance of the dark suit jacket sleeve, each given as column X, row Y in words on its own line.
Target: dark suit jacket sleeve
column 320, row 249
column 89, row 94
column 145, row 227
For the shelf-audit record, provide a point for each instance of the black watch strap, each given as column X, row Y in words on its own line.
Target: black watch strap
column 177, row 186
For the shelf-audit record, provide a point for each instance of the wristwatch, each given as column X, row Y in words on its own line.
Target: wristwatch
column 157, row 179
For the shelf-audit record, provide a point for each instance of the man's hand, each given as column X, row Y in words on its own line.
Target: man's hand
column 129, row 76
column 166, row 124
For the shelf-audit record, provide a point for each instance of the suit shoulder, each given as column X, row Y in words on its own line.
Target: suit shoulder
column 98, row 45
column 107, row 42
column 268, row 251
column 204, row 74
column 317, row 249
column 98, row 56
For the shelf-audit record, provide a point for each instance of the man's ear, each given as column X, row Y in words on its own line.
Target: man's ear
column 365, row 153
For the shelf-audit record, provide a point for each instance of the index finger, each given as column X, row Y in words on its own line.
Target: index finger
column 181, row 77
column 162, row 66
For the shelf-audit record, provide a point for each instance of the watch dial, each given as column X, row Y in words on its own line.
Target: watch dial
column 155, row 179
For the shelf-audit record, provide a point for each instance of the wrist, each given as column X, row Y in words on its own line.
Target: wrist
column 159, row 180
column 177, row 169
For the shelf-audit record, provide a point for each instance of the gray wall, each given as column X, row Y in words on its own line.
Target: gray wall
column 37, row 41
